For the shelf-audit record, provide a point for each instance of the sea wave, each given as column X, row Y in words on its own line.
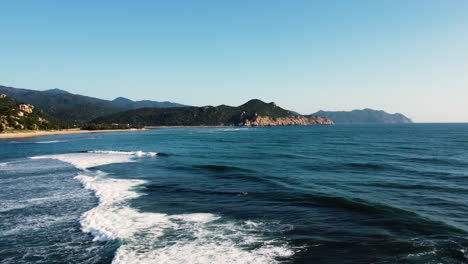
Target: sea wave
column 27, row 141
column 138, row 153
column 234, row 129
column 147, row 237
column 94, row 158
column 50, row 141
column 213, row 167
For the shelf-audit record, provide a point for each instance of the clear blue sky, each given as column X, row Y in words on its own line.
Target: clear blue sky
column 404, row 56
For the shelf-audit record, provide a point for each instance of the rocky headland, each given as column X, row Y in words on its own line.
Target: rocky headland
column 294, row 120
column 364, row 116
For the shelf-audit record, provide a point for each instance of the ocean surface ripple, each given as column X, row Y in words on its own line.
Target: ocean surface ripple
column 319, row 194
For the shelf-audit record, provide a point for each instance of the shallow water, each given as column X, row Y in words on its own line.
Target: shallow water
column 319, row 194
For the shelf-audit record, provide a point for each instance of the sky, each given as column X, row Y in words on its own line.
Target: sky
column 394, row 55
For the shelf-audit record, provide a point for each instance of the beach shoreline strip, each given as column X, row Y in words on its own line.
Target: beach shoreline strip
column 41, row 133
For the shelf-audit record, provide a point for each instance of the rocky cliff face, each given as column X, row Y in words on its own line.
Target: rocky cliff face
column 293, row 120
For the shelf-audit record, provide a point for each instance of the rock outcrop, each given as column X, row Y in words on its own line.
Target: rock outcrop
column 293, row 120
column 26, row 108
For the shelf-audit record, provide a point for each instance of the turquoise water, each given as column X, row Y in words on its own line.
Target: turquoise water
column 318, row 194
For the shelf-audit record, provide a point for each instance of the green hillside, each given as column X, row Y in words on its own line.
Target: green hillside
column 196, row 116
column 18, row 116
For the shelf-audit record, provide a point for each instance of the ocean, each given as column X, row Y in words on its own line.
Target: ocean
column 393, row 193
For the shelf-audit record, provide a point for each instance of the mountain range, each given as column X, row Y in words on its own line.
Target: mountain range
column 74, row 108
column 364, row 116
column 78, row 109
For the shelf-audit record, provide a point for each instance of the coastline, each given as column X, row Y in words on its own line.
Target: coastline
column 156, row 127
column 29, row 134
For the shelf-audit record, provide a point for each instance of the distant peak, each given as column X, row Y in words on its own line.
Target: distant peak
column 371, row 110
column 254, row 102
column 364, row 116
column 57, row 91
column 122, row 100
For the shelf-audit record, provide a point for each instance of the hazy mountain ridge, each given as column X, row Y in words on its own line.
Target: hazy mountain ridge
column 79, row 109
column 364, row 116
column 76, row 108
column 253, row 113
column 130, row 104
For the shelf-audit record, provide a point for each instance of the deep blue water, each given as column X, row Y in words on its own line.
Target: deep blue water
column 318, row 194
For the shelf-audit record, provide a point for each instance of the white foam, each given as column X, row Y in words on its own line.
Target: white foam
column 234, row 129
column 464, row 252
column 88, row 160
column 50, row 141
column 431, row 252
column 203, row 242
column 3, row 164
column 251, row 223
column 113, row 218
column 198, row 252
column 94, row 158
column 135, row 153
column 196, row 218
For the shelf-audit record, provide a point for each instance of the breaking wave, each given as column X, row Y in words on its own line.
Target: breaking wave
column 135, row 153
column 50, row 141
column 94, row 158
column 147, row 237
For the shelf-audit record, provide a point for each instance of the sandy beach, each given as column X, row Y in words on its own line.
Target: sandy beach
column 27, row 134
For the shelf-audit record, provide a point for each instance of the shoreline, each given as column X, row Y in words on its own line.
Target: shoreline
column 30, row 134
column 156, row 127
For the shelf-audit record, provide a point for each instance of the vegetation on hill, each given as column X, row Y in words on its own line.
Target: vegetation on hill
column 74, row 108
column 365, row 116
column 94, row 126
column 18, row 116
column 95, row 114
column 207, row 115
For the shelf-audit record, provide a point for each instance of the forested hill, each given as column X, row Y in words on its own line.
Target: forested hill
column 253, row 113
